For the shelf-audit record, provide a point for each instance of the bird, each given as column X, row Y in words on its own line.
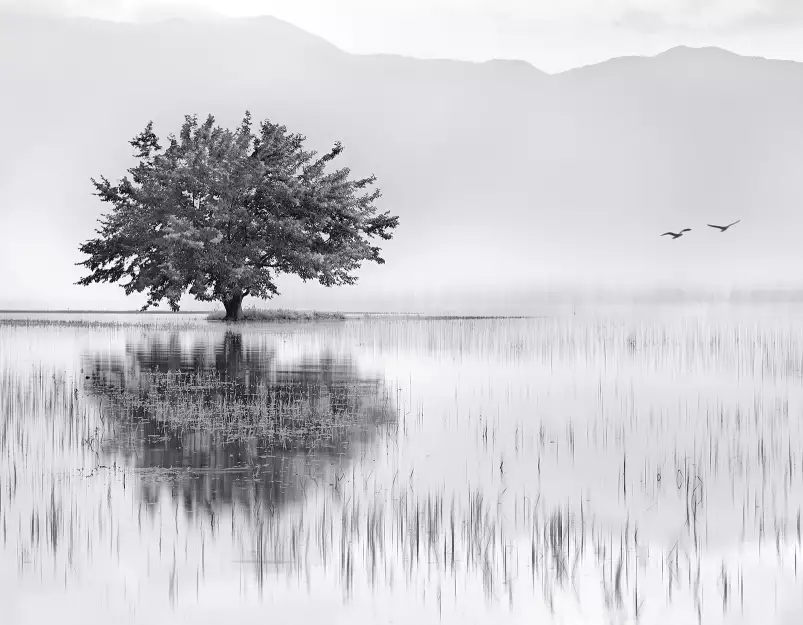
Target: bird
column 676, row 235
column 723, row 228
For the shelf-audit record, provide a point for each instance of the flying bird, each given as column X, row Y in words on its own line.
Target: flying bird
column 723, row 228
column 676, row 235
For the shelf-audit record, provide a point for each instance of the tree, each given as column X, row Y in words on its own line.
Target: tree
column 220, row 214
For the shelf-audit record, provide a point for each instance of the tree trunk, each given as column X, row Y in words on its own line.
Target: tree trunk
column 234, row 308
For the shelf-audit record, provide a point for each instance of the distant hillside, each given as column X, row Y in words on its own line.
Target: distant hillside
column 504, row 177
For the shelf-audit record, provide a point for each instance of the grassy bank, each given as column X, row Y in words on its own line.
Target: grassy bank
column 280, row 314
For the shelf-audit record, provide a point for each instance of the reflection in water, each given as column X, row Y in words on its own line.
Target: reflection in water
column 592, row 469
column 228, row 420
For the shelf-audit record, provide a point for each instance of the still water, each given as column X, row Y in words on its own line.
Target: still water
column 612, row 465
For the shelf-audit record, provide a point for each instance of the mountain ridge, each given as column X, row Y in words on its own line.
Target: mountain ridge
column 288, row 26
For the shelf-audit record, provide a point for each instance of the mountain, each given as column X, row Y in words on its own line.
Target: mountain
column 506, row 179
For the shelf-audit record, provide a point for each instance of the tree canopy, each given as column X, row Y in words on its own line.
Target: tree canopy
column 219, row 214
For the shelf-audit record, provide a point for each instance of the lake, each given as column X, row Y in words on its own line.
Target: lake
column 588, row 465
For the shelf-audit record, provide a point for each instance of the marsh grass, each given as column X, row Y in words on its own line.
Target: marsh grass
column 283, row 414
column 688, row 459
column 280, row 314
column 370, row 534
column 95, row 324
column 422, row 541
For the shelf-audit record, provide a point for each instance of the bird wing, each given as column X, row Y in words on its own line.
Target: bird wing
column 686, row 230
column 713, row 226
column 671, row 234
column 734, row 223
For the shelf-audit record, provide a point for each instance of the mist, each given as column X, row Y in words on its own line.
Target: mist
column 510, row 183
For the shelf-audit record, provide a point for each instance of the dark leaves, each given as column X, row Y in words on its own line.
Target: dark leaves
column 221, row 211
column 145, row 142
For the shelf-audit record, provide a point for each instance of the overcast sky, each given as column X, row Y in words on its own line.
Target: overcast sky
column 552, row 34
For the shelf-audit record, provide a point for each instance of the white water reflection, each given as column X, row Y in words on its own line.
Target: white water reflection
column 591, row 467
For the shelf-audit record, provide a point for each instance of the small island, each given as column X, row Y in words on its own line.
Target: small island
column 279, row 314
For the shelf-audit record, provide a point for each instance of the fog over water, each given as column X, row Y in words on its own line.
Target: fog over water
column 508, row 182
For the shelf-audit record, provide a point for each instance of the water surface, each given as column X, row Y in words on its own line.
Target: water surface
column 598, row 466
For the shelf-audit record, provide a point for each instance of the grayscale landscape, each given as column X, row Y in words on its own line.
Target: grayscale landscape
column 552, row 373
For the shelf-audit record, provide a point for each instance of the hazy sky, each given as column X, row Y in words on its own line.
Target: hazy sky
column 552, row 34
column 688, row 174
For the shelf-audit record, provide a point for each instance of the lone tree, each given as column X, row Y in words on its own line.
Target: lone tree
column 220, row 214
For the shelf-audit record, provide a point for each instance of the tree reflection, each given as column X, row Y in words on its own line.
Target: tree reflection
column 205, row 468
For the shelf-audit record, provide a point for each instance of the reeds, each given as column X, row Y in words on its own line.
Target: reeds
column 206, row 402
column 280, row 314
column 617, row 467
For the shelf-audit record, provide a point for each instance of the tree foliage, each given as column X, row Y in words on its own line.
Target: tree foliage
column 221, row 213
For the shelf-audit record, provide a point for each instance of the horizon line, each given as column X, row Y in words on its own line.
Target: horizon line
column 789, row 294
